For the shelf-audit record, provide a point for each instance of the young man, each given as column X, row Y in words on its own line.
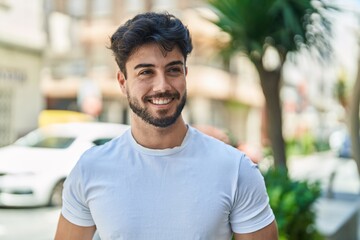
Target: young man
column 162, row 179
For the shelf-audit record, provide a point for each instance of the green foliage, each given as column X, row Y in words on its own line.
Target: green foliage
column 305, row 145
column 285, row 25
column 322, row 145
column 342, row 89
column 292, row 203
column 302, row 146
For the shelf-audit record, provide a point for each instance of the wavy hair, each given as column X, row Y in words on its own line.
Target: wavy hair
column 163, row 29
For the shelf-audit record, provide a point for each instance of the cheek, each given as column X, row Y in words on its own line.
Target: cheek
column 181, row 86
column 137, row 90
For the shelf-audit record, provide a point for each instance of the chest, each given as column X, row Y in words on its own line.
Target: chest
column 160, row 201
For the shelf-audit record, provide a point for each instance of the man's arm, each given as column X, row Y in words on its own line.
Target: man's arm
column 269, row 232
column 69, row 231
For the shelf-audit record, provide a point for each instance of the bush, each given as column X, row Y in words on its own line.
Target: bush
column 292, row 203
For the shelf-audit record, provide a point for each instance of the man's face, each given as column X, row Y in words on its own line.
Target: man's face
column 155, row 84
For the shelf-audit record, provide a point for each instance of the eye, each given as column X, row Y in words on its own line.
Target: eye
column 175, row 71
column 145, row 72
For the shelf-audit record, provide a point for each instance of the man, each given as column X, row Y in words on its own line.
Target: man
column 162, row 179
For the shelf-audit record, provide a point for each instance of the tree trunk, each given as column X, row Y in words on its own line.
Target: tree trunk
column 270, row 83
column 354, row 121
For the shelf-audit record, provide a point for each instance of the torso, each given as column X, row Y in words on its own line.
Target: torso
column 185, row 192
column 150, row 193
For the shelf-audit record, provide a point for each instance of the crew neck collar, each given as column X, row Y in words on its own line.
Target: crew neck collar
column 160, row 152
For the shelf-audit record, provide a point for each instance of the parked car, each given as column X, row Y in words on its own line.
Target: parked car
column 33, row 169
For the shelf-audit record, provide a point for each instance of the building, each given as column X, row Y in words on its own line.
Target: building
column 22, row 41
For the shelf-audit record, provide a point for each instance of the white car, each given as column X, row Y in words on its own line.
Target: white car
column 33, row 169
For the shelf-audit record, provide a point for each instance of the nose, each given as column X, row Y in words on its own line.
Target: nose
column 161, row 83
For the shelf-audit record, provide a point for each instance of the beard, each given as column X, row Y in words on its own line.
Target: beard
column 161, row 122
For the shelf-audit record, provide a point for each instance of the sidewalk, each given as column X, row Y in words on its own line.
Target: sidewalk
column 337, row 211
column 322, row 166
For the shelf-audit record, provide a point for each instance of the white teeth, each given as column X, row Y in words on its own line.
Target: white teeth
column 161, row 101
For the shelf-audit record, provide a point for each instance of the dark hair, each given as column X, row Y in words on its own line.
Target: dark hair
column 162, row 28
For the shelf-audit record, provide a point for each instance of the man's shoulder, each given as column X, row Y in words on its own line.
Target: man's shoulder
column 118, row 144
column 211, row 142
column 215, row 149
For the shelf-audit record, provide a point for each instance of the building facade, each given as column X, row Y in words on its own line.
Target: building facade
column 22, row 42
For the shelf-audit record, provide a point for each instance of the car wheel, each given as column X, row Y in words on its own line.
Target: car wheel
column 56, row 194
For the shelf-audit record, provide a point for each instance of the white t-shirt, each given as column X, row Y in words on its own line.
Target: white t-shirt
column 203, row 189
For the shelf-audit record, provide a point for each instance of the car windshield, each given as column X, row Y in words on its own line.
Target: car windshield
column 101, row 141
column 54, row 142
column 39, row 140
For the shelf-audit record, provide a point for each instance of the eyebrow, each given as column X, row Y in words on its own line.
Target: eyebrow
column 175, row 63
column 145, row 65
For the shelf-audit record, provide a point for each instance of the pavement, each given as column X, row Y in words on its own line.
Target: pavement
column 337, row 174
column 340, row 182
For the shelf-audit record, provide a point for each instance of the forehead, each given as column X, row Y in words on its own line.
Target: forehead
column 151, row 53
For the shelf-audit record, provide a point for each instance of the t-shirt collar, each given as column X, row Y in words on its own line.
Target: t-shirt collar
column 160, row 152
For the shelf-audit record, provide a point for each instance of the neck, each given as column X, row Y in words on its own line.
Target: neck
column 153, row 137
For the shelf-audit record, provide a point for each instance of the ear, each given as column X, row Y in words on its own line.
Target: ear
column 122, row 81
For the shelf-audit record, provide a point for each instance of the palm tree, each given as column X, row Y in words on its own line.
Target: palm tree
column 354, row 111
column 286, row 26
column 354, row 120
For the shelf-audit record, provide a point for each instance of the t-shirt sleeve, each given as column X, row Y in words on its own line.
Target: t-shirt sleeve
column 251, row 210
column 74, row 207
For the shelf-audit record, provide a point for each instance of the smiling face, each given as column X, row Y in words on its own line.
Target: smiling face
column 155, row 84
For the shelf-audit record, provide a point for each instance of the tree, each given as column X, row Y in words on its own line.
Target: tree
column 284, row 25
column 354, row 120
column 354, row 114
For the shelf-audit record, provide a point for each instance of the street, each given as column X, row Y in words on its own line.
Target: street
column 28, row 223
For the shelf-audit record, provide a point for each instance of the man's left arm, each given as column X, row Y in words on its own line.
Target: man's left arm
column 269, row 232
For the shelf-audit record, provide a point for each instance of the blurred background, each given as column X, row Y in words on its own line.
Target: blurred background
column 54, row 56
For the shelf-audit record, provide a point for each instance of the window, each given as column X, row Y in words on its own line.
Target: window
column 54, row 142
column 6, row 130
column 37, row 140
column 101, row 7
column 101, row 141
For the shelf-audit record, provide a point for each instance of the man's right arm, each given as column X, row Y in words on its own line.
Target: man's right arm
column 269, row 232
column 69, row 231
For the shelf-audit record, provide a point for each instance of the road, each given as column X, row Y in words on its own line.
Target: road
column 28, row 223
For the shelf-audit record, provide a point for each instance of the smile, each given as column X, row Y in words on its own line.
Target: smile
column 160, row 101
